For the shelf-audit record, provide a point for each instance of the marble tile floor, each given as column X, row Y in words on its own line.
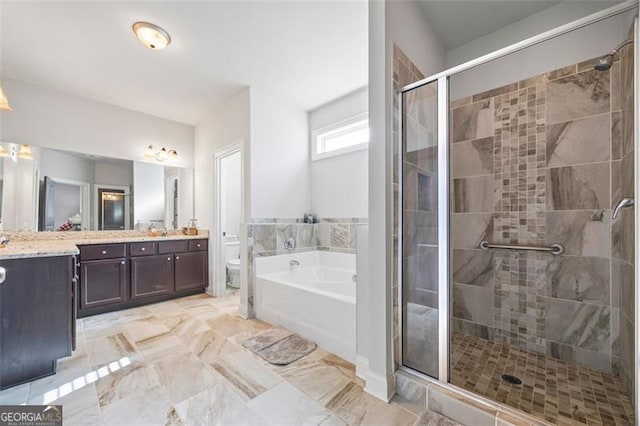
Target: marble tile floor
column 556, row 391
column 181, row 362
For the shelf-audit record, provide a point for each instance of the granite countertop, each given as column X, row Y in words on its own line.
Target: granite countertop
column 41, row 248
column 49, row 244
column 109, row 240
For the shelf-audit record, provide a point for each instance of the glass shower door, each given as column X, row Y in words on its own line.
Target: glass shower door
column 419, row 220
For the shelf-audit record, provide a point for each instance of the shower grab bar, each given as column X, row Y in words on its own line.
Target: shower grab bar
column 554, row 249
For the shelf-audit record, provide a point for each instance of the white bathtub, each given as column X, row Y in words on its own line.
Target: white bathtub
column 316, row 299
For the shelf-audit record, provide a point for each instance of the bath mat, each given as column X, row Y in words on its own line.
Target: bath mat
column 266, row 338
column 432, row 418
column 279, row 347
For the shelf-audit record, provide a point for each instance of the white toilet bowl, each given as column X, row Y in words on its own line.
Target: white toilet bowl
column 233, row 273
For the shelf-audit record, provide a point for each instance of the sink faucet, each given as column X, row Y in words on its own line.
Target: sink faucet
column 294, row 262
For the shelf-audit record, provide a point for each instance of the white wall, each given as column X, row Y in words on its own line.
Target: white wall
column 52, row 119
column 231, row 193
column 19, row 212
column 577, row 46
column 227, row 124
column 57, row 164
column 279, row 158
column 340, row 185
column 110, row 173
column 400, row 22
column 148, row 192
column 408, row 28
column 66, row 202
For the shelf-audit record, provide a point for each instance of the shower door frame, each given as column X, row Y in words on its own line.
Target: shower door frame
column 443, row 145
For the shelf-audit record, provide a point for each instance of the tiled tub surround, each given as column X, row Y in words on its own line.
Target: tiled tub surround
column 539, row 162
column 266, row 237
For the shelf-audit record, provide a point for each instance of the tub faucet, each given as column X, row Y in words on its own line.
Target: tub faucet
column 294, row 262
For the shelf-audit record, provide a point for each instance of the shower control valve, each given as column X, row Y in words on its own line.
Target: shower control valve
column 290, row 243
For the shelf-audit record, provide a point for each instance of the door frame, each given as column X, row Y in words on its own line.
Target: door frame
column 127, row 203
column 218, row 275
column 85, row 199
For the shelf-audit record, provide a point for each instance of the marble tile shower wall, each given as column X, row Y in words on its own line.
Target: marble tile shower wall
column 531, row 164
column 267, row 236
column 622, row 185
column 404, row 72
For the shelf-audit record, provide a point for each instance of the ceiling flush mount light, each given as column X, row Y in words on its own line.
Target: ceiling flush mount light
column 162, row 155
column 152, row 36
column 4, row 103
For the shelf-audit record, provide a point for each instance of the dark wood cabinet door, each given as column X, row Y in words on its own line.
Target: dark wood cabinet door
column 35, row 317
column 191, row 270
column 103, row 282
column 151, row 276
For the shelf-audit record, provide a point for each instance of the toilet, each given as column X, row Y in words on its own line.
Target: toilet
column 232, row 260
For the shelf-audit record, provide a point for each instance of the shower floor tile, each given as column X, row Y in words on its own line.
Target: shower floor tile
column 556, row 391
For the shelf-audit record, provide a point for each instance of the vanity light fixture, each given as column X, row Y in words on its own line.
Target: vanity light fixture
column 162, row 155
column 4, row 103
column 25, row 152
column 151, row 35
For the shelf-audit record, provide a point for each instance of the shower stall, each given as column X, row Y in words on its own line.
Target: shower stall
column 516, row 251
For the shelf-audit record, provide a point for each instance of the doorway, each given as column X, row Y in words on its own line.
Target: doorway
column 113, row 211
column 63, row 205
column 229, row 214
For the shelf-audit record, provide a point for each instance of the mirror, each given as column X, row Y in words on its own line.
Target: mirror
column 46, row 189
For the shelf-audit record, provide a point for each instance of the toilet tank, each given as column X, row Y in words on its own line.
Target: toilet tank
column 231, row 247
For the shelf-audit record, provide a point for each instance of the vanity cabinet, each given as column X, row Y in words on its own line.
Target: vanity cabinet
column 151, row 276
column 103, row 276
column 140, row 273
column 36, row 317
column 191, row 270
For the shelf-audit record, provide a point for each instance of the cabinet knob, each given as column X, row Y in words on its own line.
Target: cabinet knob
column 143, row 248
column 122, row 262
column 197, row 245
column 169, row 259
column 3, row 274
column 177, row 257
column 104, row 252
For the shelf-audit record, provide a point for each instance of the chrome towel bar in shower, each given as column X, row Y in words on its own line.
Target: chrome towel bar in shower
column 553, row 248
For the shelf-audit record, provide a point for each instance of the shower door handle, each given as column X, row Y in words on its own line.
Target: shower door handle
column 625, row 202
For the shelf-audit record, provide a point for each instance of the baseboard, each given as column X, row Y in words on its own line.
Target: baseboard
column 380, row 386
column 362, row 367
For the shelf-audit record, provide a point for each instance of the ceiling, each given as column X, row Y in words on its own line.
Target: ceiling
column 307, row 53
column 457, row 22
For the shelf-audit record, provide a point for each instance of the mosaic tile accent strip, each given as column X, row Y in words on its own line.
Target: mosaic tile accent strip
column 560, row 393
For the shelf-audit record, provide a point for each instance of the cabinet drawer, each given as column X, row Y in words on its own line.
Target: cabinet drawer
column 198, row 245
column 102, row 251
column 142, row 249
column 178, row 246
